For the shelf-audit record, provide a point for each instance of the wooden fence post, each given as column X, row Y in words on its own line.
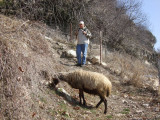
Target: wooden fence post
column 71, row 31
column 100, row 47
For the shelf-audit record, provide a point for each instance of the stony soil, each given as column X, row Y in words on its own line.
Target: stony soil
column 29, row 64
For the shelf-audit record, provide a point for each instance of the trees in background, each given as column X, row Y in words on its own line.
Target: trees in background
column 122, row 22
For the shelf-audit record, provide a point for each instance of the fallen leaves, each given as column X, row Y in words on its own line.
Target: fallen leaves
column 33, row 114
column 19, row 79
column 20, row 68
column 41, row 105
column 76, row 108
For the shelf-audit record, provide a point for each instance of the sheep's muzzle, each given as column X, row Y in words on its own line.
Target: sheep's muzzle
column 55, row 81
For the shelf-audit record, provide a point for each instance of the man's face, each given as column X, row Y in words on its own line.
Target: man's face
column 81, row 25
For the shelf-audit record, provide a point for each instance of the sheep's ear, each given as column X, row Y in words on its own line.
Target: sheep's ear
column 61, row 76
column 57, row 76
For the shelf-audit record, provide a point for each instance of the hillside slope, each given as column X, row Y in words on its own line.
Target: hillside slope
column 123, row 24
column 30, row 54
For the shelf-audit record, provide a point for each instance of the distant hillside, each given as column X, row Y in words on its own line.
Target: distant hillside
column 120, row 22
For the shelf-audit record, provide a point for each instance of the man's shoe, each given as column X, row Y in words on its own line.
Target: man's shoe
column 78, row 65
column 83, row 65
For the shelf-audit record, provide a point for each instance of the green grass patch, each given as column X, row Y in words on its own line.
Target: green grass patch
column 98, row 119
column 109, row 116
column 42, row 99
column 63, row 109
column 52, row 112
column 1, row 3
column 63, row 106
column 93, row 111
column 53, row 92
column 84, row 108
column 125, row 111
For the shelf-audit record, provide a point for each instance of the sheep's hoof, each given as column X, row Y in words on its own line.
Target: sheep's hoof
column 105, row 112
column 84, row 102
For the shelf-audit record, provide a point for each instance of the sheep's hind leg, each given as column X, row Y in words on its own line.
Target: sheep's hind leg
column 99, row 103
column 105, row 103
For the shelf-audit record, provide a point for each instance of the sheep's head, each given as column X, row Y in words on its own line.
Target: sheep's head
column 58, row 77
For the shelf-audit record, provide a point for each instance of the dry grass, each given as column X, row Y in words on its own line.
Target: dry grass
column 28, row 60
column 19, row 32
column 131, row 70
column 24, row 53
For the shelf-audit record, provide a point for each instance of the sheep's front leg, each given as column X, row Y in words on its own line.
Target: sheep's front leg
column 84, row 102
column 81, row 94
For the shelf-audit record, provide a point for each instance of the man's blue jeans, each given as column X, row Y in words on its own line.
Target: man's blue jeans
column 81, row 48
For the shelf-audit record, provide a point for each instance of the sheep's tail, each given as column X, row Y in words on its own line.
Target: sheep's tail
column 108, row 91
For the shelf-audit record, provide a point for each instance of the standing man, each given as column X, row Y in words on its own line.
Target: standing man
column 82, row 44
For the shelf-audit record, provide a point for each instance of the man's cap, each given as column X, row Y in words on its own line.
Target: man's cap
column 81, row 22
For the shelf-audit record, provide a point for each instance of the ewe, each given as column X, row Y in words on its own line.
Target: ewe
column 89, row 82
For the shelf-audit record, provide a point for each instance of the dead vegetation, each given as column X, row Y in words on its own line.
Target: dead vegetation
column 133, row 71
column 28, row 59
column 24, row 53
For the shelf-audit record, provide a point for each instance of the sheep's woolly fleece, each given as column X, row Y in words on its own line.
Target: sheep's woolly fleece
column 82, row 79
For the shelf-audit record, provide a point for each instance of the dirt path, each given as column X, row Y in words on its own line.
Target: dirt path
column 30, row 58
column 125, row 103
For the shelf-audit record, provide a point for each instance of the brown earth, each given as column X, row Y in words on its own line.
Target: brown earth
column 30, row 54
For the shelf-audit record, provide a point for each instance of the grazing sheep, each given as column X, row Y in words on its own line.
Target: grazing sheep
column 89, row 82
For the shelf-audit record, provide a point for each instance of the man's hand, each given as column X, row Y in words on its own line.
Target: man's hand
column 84, row 32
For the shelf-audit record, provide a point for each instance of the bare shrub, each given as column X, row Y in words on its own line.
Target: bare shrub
column 24, row 51
column 7, row 83
column 131, row 70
